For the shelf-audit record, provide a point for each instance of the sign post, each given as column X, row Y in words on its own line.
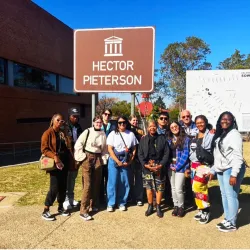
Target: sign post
column 114, row 60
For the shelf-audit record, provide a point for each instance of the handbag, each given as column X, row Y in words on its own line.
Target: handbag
column 128, row 154
column 47, row 163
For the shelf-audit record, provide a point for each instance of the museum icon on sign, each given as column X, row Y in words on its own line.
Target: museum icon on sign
column 113, row 46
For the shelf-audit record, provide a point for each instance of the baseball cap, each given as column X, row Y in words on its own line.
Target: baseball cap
column 74, row 111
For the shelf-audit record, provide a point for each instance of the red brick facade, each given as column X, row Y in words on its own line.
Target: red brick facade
column 31, row 36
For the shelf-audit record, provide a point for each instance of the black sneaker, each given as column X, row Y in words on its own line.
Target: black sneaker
column 86, row 217
column 181, row 212
column 227, row 227
column 198, row 215
column 63, row 212
column 205, row 216
column 221, row 223
column 47, row 216
column 175, row 211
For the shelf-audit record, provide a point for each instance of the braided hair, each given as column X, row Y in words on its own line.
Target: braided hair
column 220, row 132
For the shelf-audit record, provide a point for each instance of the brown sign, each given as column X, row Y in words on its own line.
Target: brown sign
column 114, row 60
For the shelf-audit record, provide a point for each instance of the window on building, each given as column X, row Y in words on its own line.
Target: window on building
column 2, row 71
column 29, row 77
column 66, row 85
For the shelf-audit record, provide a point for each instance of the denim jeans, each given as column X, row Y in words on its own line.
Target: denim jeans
column 177, row 181
column 71, row 180
column 118, row 184
column 230, row 193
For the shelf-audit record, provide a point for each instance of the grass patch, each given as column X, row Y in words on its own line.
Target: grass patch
column 33, row 181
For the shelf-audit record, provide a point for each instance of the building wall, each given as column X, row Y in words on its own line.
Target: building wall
column 31, row 36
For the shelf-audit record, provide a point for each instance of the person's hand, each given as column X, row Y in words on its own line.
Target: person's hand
column 56, row 159
column 158, row 166
column 187, row 173
column 232, row 180
column 59, row 165
column 211, row 176
column 154, row 169
column 119, row 163
column 125, row 164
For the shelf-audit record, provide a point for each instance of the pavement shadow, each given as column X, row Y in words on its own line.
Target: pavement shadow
column 244, row 205
column 246, row 181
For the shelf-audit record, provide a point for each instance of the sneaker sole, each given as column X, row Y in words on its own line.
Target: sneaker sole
column 48, row 219
column 197, row 219
column 86, row 219
column 203, row 222
column 227, row 231
column 65, row 215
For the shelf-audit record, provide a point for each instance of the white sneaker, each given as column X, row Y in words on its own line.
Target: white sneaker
column 198, row 215
column 66, row 205
column 75, row 203
column 110, row 209
column 219, row 225
column 86, row 217
column 122, row 208
column 139, row 203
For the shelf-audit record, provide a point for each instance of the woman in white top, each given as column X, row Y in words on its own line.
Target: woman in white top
column 92, row 145
column 229, row 166
column 121, row 147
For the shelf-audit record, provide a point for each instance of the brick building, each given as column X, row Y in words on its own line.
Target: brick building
column 36, row 72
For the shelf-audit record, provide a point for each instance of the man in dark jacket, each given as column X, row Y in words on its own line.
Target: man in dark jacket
column 75, row 131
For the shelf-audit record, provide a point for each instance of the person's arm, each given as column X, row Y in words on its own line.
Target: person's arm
column 237, row 157
column 182, row 161
column 113, row 156
column 165, row 157
column 45, row 147
column 79, row 154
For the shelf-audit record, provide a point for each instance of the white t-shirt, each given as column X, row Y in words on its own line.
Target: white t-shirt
column 114, row 139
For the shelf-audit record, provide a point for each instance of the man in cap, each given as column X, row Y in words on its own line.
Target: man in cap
column 75, row 131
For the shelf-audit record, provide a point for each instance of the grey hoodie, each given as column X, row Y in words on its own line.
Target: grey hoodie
column 232, row 157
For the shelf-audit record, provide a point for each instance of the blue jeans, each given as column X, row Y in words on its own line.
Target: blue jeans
column 118, row 184
column 71, row 180
column 229, row 194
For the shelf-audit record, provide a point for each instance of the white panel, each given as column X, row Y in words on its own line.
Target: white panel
column 211, row 92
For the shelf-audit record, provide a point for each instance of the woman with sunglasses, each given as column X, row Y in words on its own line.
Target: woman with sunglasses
column 93, row 143
column 121, row 147
column 179, row 163
column 153, row 154
column 55, row 144
column 201, row 160
column 229, row 166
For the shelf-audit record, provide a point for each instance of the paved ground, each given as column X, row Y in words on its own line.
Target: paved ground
column 22, row 227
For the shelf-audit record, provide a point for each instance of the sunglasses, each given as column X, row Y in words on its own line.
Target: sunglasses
column 107, row 114
column 60, row 121
column 163, row 118
column 185, row 116
column 122, row 123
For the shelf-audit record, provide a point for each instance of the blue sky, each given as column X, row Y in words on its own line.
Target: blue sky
column 223, row 24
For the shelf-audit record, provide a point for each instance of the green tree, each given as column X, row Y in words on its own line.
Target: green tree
column 159, row 102
column 177, row 58
column 236, row 61
column 121, row 108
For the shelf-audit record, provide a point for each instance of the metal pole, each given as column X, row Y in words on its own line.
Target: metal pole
column 132, row 103
column 93, row 107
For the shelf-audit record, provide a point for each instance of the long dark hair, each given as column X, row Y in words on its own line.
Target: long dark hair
column 220, row 132
column 180, row 137
column 127, row 123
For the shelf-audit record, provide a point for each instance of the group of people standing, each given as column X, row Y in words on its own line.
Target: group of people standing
column 172, row 160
